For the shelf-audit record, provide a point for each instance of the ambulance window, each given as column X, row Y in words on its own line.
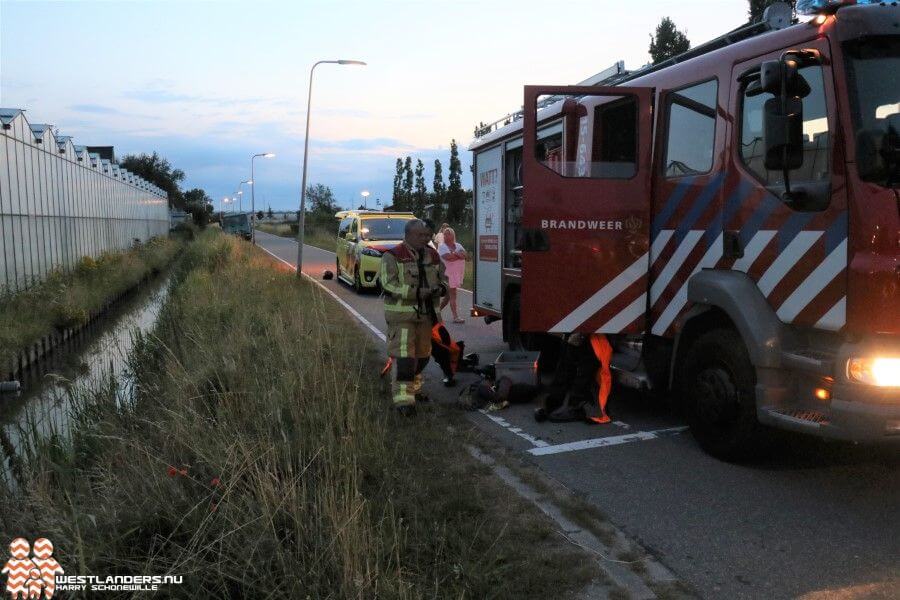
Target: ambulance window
column 817, row 142
column 344, row 227
column 692, row 129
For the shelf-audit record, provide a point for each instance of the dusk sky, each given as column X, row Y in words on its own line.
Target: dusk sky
column 207, row 84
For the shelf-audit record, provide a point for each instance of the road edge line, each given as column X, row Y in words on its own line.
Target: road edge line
column 339, row 300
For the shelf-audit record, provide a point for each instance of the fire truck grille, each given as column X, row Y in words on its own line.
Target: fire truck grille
column 807, row 415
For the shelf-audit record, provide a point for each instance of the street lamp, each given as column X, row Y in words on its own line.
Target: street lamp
column 301, row 221
column 365, row 195
column 241, row 192
column 253, row 193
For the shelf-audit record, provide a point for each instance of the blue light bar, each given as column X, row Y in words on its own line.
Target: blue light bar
column 816, row 7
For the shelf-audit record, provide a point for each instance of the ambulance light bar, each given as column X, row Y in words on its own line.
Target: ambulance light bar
column 818, row 7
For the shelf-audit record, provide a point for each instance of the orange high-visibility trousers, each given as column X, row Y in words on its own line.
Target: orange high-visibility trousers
column 603, row 352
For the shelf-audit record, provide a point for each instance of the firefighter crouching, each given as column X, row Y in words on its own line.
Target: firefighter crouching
column 413, row 280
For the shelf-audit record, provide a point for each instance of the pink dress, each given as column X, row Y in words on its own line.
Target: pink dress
column 454, row 268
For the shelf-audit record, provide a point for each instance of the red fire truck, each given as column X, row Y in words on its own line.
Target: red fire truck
column 729, row 218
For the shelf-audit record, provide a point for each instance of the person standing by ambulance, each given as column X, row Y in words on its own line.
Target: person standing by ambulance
column 413, row 280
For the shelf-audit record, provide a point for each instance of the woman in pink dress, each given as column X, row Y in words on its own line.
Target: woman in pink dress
column 454, row 258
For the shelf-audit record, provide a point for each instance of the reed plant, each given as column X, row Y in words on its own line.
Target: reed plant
column 70, row 298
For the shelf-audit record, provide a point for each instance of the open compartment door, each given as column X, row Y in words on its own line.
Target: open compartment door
column 586, row 162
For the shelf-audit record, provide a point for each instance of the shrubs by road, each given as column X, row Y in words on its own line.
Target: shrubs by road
column 69, row 299
column 259, row 457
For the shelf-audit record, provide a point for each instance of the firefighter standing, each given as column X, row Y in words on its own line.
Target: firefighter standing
column 413, row 280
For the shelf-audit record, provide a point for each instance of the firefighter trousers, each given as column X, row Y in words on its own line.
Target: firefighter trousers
column 409, row 344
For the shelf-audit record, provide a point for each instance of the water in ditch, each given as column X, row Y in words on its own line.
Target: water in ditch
column 96, row 358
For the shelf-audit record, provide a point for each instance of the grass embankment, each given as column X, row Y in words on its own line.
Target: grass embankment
column 69, row 299
column 260, row 458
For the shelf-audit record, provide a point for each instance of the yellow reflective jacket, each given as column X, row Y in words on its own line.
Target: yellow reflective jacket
column 406, row 278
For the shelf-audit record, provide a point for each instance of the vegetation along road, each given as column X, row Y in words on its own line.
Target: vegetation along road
column 811, row 519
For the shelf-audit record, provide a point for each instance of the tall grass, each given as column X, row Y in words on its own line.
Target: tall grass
column 68, row 299
column 259, row 458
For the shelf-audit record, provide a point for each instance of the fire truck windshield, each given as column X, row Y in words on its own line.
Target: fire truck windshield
column 873, row 71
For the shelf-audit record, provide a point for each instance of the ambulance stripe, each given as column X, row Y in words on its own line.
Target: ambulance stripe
column 600, row 299
column 789, row 257
column 665, row 277
column 709, row 260
column 753, row 250
column 626, row 317
column 827, row 270
column 835, row 318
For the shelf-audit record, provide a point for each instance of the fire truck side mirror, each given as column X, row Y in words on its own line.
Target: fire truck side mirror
column 783, row 133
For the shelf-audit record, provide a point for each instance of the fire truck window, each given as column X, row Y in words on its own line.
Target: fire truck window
column 595, row 138
column 692, row 130
column 614, row 154
column 817, row 141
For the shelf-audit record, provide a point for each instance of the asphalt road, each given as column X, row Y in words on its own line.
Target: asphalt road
column 818, row 520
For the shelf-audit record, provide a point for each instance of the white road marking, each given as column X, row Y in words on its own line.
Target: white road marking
column 339, row 300
column 516, row 430
column 602, row 442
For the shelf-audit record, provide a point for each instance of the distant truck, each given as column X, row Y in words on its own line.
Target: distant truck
column 237, row 224
column 730, row 219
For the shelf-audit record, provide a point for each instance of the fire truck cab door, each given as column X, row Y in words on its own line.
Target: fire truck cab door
column 586, row 175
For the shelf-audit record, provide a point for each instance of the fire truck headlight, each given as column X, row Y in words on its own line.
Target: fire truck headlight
column 880, row 371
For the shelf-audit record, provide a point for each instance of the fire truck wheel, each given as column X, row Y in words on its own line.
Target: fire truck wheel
column 719, row 398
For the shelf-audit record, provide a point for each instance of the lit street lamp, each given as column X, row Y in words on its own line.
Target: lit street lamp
column 365, row 195
column 301, row 221
column 253, row 193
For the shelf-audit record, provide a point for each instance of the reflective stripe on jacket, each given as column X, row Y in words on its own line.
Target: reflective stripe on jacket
column 404, row 288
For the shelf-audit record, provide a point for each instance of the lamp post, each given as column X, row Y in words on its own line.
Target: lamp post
column 365, row 196
column 253, row 193
column 241, row 192
column 301, row 220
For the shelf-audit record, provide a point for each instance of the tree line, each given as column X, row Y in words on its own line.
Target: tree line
column 160, row 172
column 448, row 200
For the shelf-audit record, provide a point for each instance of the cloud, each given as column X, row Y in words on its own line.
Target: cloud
column 95, row 109
column 363, row 144
column 155, row 96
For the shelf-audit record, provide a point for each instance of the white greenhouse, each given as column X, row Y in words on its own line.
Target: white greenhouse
column 59, row 202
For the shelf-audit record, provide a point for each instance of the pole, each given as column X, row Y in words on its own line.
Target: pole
column 301, row 218
column 252, row 203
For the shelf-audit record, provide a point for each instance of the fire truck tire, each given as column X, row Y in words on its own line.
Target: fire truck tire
column 718, row 394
